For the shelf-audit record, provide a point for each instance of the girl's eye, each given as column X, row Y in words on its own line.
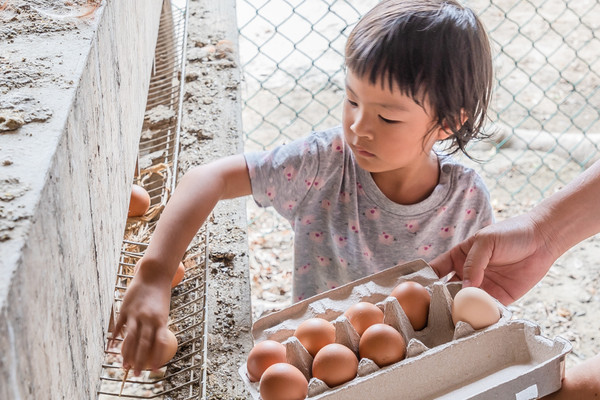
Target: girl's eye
column 388, row 121
column 352, row 103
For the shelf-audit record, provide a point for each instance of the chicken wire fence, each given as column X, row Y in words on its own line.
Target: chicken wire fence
column 544, row 117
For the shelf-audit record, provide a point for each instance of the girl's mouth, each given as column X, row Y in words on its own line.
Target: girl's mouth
column 363, row 153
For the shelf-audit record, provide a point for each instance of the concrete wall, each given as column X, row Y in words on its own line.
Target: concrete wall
column 65, row 180
column 211, row 129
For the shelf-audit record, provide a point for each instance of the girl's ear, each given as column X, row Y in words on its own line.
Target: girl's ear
column 445, row 132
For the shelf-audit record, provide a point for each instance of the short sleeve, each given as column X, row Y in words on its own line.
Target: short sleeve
column 282, row 177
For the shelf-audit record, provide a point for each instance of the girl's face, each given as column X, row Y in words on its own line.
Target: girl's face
column 386, row 130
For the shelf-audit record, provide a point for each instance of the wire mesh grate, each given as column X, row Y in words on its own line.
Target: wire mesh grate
column 184, row 376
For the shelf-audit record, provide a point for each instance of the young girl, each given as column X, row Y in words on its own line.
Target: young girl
column 361, row 197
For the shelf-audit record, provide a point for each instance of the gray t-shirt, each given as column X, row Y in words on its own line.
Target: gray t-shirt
column 344, row 227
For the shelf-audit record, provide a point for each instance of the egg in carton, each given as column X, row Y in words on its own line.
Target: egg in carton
column 442, row 360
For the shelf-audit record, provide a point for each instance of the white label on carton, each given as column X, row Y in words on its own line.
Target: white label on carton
column 530, row 393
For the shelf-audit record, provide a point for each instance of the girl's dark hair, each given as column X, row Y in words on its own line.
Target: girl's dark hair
column 435, row 51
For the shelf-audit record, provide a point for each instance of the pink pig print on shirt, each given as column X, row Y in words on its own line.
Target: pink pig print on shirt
column 470, row 214
column 318, row 182
column 331, row 285
column 373, row 213
column 470, row 192
column 412, row 226
column 290, row 173
column 337, row 145
column 304, row 269
column 442, row 210
column 340, row 240
column 367, row 253
column 316, row 237
column 344, row 197
column 386, row 238
column 353, row 225
column 446, row 232
column 323, row 261
column 425, row 250
column 289, row 205
column 326, row 204
column 359, row 189
column 308, row 220
column 343, row 263
column 271, row 193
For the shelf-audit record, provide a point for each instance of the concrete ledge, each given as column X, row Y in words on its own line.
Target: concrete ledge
column 65, row 180
column 211, row 129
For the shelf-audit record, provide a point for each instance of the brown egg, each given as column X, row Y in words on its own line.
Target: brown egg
column 363, row 314
column 283, row 381
column 382, row 344
column 335, row 364
column 315, row 333
column 414, row 300
column 168, row 351
column 262, row 356
column 476, row 307
column 176, row 279
column 139, row 202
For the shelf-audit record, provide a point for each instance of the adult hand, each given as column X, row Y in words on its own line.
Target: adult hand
column 143, row 317
column 505, row 259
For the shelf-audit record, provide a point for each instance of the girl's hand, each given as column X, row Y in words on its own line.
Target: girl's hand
column 505, row 259
column 143, row 320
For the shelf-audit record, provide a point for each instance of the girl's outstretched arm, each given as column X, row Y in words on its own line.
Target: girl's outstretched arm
column 145, row 309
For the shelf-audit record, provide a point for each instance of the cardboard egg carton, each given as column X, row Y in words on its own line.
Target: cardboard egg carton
column 507, row 360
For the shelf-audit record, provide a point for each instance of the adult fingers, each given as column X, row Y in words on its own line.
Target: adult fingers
column 451, row 260
column 442, row 264
column 476, row 261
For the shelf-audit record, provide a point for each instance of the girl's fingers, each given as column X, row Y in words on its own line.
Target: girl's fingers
column 128, row 349
column 144, row 346
column 160, row 342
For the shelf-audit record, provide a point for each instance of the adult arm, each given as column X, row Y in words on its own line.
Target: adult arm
column 508, row 258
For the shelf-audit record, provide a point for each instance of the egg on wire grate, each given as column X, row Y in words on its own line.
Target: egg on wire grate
column 139, row 202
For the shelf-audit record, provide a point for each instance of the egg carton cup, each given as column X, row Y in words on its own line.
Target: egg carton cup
column 509, row 359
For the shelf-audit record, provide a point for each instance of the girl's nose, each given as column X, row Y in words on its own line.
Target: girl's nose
column 360, row 126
